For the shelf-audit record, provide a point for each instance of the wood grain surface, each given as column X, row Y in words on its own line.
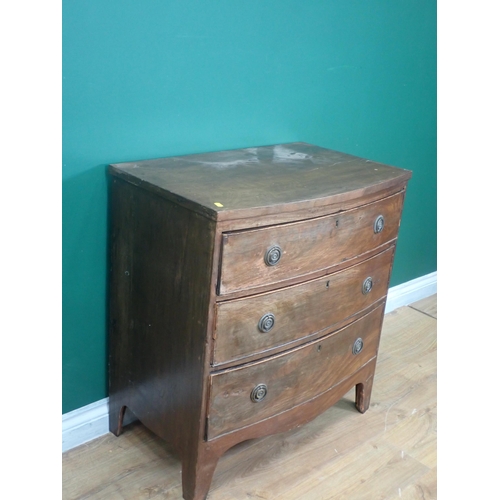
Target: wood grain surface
column 155, row 372
column 226, row 184
column 307, row 246
column 291, row 378
column 299, row 311
column 387, row 453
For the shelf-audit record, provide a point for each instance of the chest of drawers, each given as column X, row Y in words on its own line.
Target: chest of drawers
column 247, row 292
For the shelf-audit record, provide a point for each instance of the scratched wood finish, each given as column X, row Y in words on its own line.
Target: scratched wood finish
column 251, row 182
column 291, row 378
column 307, row 246
column 389, row 452
column 300, row 311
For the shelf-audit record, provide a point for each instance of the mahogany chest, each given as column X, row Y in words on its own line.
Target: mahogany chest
column 247, row 292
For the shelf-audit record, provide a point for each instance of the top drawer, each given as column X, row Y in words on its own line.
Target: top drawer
column 260, row 257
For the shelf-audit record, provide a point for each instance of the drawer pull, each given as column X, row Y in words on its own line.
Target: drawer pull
column 259, row 393
column 273, row 255
column 378, row 224
column 266, row 323
column 358, row 346
column 367, row 285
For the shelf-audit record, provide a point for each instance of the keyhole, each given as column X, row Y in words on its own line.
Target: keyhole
column 328, row 284
column 337, row 223
column 319, row 348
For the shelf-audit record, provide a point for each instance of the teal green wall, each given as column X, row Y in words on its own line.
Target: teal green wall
column 160, row 78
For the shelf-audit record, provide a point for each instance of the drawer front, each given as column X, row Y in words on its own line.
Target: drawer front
column 269, row 255
column 245, row 395
column 254, row 324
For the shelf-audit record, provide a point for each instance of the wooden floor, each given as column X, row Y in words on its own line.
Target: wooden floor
column 387, row 453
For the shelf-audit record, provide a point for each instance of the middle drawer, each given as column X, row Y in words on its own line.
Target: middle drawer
column 253, row 325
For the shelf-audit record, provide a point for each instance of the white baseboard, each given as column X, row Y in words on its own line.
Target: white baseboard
column 411, row 291
column 89, row 422
column 84, row 424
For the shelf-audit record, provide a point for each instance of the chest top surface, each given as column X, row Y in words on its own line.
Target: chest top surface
column 221, row 184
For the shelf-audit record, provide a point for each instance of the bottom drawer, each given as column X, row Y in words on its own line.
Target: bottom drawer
column 248, row 394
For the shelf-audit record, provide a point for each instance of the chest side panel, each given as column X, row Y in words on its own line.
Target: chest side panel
column 161, row 262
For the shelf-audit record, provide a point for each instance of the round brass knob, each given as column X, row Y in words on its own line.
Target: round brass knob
column 358, row 346
column 266, row 323
column 259, row 392
column 378, row 225
column 273, row 255
column 367, row 285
